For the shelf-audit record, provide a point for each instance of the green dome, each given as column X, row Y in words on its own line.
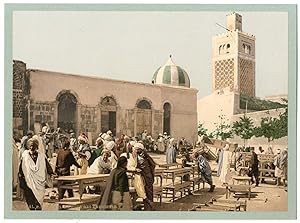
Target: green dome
column 171, row 74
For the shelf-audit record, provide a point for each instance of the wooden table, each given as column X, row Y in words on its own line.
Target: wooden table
column 182, row 186
column 80, row 182
column 167, row 166
column 180, row 172
column 242, row 180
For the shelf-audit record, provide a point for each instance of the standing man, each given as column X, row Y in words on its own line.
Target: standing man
column 33, row 171
column 280, row 163
column 24, row 141
column 171, row 152
column 253, row 171
column 204, row 169
column 225, row 171
column 65, row 160
column 117, row 188
column 160, row 143
column 96, row 152
column 147, row 166
column 73, row 142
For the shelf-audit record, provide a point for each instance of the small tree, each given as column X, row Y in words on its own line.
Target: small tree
column 244, row 128
column 268, row 129
column 282, row 123
column 202, row 131
column 223, row 130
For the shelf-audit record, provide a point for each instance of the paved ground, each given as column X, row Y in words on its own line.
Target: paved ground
column 265, row 197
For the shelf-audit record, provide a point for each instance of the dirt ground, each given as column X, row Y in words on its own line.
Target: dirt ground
column 265, row 197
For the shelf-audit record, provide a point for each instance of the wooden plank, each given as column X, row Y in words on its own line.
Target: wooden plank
column 267, row 170
column 83, row 177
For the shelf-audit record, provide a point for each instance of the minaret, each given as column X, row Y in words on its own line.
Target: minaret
column 233, row 60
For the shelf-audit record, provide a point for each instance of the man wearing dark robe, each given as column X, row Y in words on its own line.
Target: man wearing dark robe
column 253, row 169
column 204, row 169
column 117, row 188
column 147, row 166
column 65, row 160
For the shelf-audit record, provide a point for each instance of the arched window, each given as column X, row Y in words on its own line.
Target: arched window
column 143, row 104
column 167, row 118
column 227, row 48
column 108, row 101
column 249, row 49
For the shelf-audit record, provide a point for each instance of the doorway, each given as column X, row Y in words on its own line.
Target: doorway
column 143, row 117
column 167, row 118
column 66, row 119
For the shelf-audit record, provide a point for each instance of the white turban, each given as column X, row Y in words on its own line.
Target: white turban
column 138, row 145
column 172, row 141
column 109, row 132
column 105, row 151
column 226, row 147
column 103, row 135
column 108, row 138
column 81, row 138
column 132, row 143
column 110, row 145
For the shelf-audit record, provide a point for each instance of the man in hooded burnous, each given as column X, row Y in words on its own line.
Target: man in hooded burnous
column 147, row 166
column 33, row 172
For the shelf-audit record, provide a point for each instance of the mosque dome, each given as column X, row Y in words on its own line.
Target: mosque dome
column 171, row 74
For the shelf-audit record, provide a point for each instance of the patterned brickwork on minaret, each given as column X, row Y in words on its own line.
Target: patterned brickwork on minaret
column 233, row 61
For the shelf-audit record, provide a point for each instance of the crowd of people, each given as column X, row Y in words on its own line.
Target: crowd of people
column 111, row 155
column 278, row 163
column 34, row 166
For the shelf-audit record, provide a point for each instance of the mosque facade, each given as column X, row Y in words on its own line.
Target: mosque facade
column 168, row 104
column 93, row 105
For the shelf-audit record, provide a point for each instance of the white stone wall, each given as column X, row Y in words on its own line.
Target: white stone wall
column 256, row 142
column 214, row 105
column 210, row 107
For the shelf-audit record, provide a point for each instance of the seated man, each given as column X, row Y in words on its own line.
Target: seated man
column 101, row 165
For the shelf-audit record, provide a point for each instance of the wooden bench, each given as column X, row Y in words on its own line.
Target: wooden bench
column 158, row 192
column 220, row 205
column 238, row 203
column 86, row 199
column 196, row 181
column 246, row 189
column 263, row 176
column 241, row 180
column 158, row 189
column 181, row 187
column 265, row 167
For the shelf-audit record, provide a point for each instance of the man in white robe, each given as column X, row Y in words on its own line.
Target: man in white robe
column 225, row 171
